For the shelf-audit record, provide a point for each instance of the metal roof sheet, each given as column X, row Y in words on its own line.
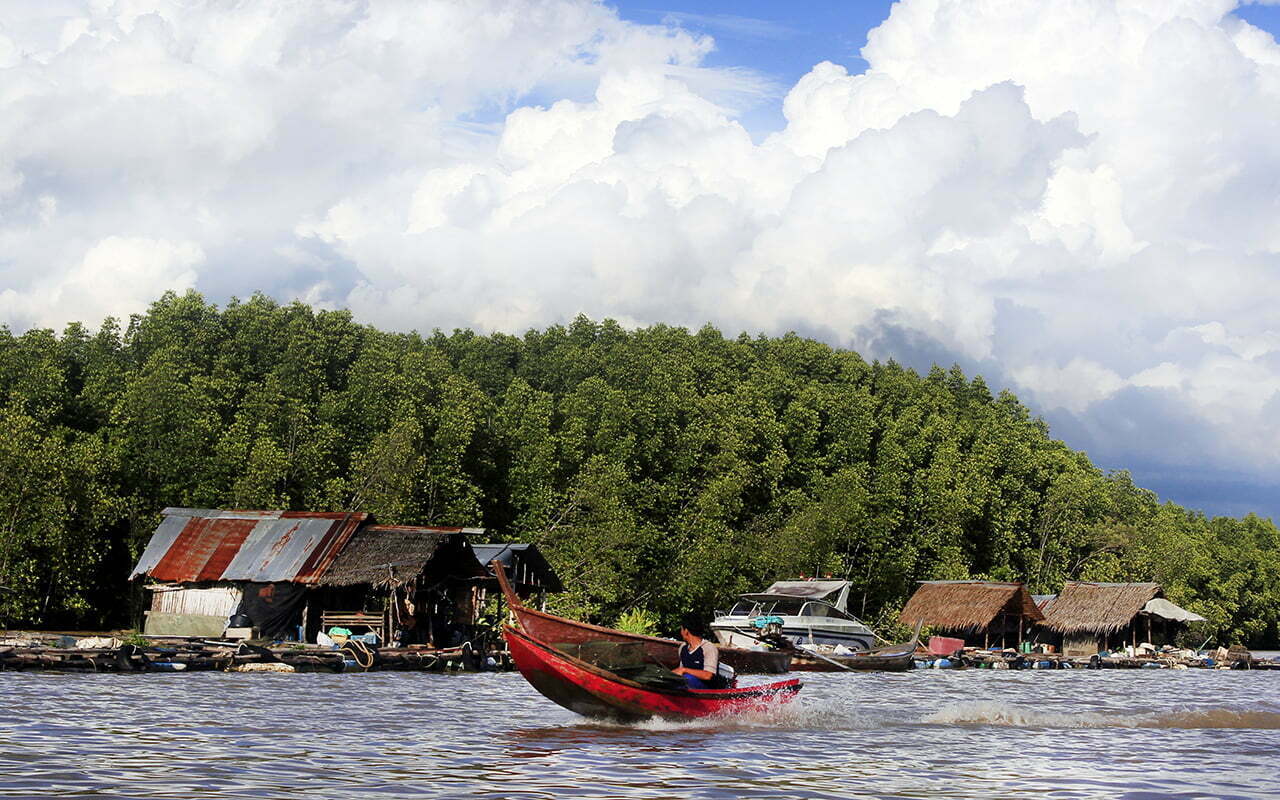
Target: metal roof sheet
column 515, row 555
column 505, row 553
column 193, row 545
column 160, row 543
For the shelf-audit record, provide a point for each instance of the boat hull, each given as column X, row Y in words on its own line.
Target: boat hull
column 594, row 692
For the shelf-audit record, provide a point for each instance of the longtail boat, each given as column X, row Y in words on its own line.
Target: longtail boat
column 629, row 691
column 549, row 628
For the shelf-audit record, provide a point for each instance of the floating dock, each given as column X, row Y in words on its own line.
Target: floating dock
column 107, row 654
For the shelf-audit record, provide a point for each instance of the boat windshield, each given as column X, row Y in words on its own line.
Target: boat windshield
column 786, row 607
column 743, row 608
column 792, row 607
column 813, row 609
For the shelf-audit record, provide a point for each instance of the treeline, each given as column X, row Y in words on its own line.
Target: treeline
column 660, row 469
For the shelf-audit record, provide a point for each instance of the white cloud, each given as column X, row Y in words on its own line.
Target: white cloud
column 117, row 276
column 1078, row 384
column 1079, row 195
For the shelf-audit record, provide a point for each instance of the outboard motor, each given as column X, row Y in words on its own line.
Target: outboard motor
column 727, row 676
column 770, row 631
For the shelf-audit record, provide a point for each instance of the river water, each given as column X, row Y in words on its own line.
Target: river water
column 927, row 733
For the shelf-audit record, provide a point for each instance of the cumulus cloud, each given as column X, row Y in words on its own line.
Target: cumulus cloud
column 262, row 131
column 1077, row 198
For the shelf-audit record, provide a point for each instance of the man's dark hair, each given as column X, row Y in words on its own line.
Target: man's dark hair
column 693, row 624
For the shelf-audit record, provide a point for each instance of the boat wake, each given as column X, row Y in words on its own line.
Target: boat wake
column 1003, row 714
column 832, row 716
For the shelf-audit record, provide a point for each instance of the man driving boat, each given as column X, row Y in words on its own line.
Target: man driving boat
column 699, row 658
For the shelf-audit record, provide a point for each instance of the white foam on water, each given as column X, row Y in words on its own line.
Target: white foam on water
column 1008, row 715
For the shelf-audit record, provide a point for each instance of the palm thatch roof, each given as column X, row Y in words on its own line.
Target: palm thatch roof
column 392, row 555
column 967, row 605
column 1098, row 607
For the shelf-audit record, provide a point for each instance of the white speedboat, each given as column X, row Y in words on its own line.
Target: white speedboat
column 808, row 612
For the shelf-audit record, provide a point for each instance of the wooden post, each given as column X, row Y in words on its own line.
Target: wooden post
column 390, row 616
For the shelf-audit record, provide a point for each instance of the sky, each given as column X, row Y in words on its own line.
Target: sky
column 1077, row 199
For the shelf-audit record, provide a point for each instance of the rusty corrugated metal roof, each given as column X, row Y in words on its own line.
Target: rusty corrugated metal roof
column 197, row 544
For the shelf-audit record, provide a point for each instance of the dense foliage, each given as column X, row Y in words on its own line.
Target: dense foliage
column 660, row 469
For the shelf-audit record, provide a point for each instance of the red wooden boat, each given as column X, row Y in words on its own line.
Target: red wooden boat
column 592, row 690
column 550, row 628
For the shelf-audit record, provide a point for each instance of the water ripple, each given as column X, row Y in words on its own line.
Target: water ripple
column 403, row 735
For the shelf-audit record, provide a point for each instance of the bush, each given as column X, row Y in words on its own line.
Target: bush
column 638, row 620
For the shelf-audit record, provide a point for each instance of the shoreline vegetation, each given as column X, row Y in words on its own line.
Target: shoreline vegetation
column 659, row 469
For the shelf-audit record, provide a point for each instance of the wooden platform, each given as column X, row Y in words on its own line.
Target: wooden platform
column 188, row 655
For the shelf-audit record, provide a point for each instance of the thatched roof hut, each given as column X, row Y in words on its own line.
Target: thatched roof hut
column 1102, row 608
column 968, row 605
column 972, row 607
column 393, row 555
column 1091, row 617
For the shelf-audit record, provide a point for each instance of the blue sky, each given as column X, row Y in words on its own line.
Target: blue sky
column 1075, row 200
column 781, row 40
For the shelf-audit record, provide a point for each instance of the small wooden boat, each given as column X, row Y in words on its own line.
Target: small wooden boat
column 890, row 658
column 550, row 628
column 625, row 692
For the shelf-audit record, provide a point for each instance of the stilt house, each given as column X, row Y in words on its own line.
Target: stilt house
column 982, row 613
column 292, row 572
